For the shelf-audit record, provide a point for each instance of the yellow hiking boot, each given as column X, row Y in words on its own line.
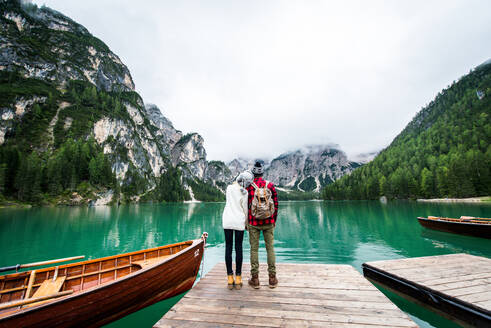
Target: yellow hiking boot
column 238, row 282
column 230, row 281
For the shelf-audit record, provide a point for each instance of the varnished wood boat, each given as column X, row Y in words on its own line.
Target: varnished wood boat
column 466, row 225
column 95, row 292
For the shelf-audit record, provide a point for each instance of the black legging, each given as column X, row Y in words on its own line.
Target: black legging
column 239, row 237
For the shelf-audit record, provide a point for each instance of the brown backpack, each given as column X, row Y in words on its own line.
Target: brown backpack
column 262, row 206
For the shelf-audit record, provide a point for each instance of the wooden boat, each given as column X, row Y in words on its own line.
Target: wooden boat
column 95, row 292
column 466, row 225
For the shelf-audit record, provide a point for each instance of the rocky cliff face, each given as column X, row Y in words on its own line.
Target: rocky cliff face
column 43, row 43
column 190, row 154
column 165, row 132
column 219, row 174
column 238, row 165
column 307, row 169
column 46, row 51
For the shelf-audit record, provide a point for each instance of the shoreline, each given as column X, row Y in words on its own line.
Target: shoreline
column 484, row 199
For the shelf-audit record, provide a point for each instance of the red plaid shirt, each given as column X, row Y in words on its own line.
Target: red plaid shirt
column 260, row 182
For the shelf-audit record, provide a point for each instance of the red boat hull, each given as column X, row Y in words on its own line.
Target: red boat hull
column 101, row 305
column 463, row 228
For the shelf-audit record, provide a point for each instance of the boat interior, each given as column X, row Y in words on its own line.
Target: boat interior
column 31, row 288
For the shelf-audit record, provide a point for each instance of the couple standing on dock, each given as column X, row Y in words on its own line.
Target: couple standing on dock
column 252, row 204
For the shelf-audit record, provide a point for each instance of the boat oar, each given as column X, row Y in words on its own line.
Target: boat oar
column 28, row 265
column 34, row 300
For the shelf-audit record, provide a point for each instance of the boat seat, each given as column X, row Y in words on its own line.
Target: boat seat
column 48, row 287
column 151, row 261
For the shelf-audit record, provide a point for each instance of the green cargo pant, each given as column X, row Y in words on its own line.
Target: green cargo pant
column 254, row 235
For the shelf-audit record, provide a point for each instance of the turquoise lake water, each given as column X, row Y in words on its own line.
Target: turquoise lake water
column 307, row 232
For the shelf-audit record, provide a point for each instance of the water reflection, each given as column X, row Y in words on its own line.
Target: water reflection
column 308, row 232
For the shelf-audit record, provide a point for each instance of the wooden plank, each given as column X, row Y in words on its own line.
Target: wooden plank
column 32, row 300
column 302, row 301
column 32, row 277
column 423, row 274
column 296, row 277
column 320, row 281
column 484, row 305
column 150, row 261
column 307, row 296
column 308, row 284
column 171, row 323
column 443, row 266
column 461, row 283
column 192, row 322
column 49, row 287
column 455, row 278
column 459, row 267
column 256, row 321
column 290, row 267
column 268, row 313
column 224, row 318
column 339, row 294
column 28, row 265
column 282, row 273
column 477, row 297
column 253, row 305
column 427, row 261
column 468, row 290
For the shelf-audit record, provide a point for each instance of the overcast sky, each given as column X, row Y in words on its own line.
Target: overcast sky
column 258, row 78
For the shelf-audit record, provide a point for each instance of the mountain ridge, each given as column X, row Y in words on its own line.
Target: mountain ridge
column 444, row 151
column 61, row 88
column 308, row 168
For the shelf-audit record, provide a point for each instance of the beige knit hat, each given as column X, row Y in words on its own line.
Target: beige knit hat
column 245, row 179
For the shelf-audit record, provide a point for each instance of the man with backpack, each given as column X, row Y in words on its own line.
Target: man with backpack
column 263, row 212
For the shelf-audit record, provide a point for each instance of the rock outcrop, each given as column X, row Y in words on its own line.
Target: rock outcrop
column 307, row 169
column 238, row 165
column 219, row 174
column 61, row 49
column 190, row 154
column 43, row 48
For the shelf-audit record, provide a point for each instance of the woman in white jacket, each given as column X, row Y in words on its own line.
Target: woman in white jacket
column 234, row 221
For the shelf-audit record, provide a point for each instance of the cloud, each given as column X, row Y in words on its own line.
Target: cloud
column 258, row 78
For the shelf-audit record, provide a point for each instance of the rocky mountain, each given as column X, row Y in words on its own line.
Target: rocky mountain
column 219, row 174
column 238, row 165
column 59, row 85
column 43, row 43
column 307, row 169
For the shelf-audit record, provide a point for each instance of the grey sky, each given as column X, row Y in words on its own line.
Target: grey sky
column 257, row 78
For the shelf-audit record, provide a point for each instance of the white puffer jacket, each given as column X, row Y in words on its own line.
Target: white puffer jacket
column 235, row 212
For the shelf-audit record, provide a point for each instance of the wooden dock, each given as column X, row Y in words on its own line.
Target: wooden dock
column 456, row 285
column 308, row 295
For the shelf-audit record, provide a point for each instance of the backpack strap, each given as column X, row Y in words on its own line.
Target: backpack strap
column 254, row 185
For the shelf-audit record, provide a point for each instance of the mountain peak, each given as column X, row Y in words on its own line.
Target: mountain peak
column 59, row 50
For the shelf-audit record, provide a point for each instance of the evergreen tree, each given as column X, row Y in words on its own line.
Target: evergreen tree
column 443, row 152
column 170, row 186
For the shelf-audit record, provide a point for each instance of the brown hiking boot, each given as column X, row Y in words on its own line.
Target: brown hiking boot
column 273, row 282
column 238, row 282
column 230, row 281
column 254, row 281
